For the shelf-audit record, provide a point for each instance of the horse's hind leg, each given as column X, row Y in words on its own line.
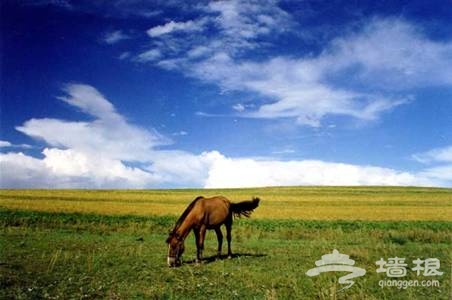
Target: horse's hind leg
column 228, row 236
column 220, row 240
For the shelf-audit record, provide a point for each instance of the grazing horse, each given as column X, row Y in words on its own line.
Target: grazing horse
column 200, row 215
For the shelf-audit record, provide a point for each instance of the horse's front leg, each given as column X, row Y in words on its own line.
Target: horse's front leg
column 200, row 236
column 196, row 232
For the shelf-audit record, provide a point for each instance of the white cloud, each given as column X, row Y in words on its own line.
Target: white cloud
column 246, row 172
column 233, row 27
column 66, row 162
column 149, row 56
column 183, row 168
column 109, row 134
column 4, row 144
column 20, row 171
column 440, row 175
column 395, row 55
column 174, row 26
column 382, row 62
column 180, row 133
column 90, row 101
column 69, row 169
column 109, row 152
column 115, row 37
column 199, row 52
column 239, row 107
column 97, row 170
column 381, row 56
column 124, row 55
column 296, row 88
column 435, row 155
column 241, row 21
column 284, row 151
column 440, row 164
column 85, row 154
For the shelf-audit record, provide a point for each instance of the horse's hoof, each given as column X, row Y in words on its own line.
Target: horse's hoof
column 229, row 256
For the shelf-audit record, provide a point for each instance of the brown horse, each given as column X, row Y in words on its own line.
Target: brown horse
column 200, row 215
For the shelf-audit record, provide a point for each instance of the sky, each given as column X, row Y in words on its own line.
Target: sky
column 213, row 94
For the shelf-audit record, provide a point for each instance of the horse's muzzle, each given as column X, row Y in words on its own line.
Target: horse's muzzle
column 173, row 262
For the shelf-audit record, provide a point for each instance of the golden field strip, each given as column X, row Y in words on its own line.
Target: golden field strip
column 307, row 203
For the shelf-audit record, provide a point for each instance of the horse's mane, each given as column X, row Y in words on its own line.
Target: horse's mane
column 185, row 213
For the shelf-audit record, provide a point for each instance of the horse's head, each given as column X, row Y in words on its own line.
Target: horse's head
column 175, row 249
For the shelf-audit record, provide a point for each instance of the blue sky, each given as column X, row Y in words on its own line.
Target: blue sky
column 152, row 94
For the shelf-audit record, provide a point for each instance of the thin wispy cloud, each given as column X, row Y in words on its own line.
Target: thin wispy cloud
column 124, row 55
column 115, row 37
column 437, row 155
column 172, row 26
column 6, row 144
column 149, row 56
column 240, row 23
column 305, row 89
column 180, row 133
column 382, row 61
column 239, row 107
column 439, row 164
column 229, row 26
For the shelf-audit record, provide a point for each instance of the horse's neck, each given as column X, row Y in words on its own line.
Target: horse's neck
column 184, row 228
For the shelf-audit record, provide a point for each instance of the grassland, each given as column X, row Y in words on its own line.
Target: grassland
column 307, row 203
column 69, row 244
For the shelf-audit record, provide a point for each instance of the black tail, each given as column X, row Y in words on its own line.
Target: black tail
column 244, row 208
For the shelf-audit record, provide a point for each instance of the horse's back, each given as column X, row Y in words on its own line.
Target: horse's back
column 215, row 210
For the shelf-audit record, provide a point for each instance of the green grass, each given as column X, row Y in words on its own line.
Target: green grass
column 72, row 245
column 87, row 256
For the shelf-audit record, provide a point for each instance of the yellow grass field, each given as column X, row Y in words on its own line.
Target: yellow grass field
column 110, row 244
column 308, row 203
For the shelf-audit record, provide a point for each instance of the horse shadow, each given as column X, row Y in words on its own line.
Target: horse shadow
column 214, row 258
